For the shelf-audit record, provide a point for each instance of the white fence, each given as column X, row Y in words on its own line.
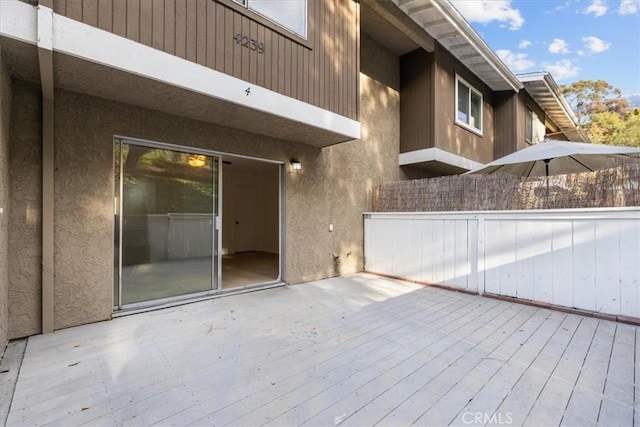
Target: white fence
column 586, row 259
column 171, row 236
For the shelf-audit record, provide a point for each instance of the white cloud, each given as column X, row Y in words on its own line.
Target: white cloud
column 562, row 69
column 597, row 7
column 517, row 62
column 595, row 45
column 634, row 99
column 629, row 7
column 559, row 46
column 564, row 5
column 486, row 11
column 524, row 44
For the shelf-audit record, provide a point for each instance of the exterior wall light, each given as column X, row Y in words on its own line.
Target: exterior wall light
column 197, row 160
column 295, row 165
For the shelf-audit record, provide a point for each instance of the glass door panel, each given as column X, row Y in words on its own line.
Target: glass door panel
column 168, row 207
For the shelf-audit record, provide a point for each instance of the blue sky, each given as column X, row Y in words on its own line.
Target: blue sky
column 572, row 39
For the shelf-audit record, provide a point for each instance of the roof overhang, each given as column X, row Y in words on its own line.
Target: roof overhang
column 544, row 90
column 389, row 26
column 98, row 63
column 445, row 24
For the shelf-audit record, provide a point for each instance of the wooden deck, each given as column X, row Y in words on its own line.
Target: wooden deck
column 355, row 351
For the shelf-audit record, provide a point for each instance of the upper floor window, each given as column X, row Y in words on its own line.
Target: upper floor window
column 290, row 14
column 468, row 106
column 534, row 129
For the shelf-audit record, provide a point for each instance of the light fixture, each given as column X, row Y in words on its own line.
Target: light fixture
column 197, row 160
column 295, row 165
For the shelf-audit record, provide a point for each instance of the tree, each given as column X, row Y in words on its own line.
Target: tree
column 609, row 128
column 603, row 113
column 588, row 97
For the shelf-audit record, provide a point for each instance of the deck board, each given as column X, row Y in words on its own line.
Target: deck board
column 352, row 351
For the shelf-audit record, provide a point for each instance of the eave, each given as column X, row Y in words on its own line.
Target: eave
column 445, row 24
column 544, row 90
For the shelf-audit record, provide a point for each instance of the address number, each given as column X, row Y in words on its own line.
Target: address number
column 249, row 43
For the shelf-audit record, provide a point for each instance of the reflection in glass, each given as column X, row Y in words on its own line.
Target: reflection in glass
column 291, row 14
column 463, row 103
column 168, row 210
column 476, row 111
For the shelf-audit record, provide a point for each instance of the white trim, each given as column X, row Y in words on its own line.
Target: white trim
column 478, row 43
column 628, row 212
column 478, row 131
column 247, row 5
column 45, row 28
column 554, row 91
column 437, row 155
column 486, row 65
column 18, row 21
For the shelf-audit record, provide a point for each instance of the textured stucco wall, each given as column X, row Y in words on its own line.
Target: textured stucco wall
column 25, row 219
column 334, row 186
column 84, row 130
column 353, row 168
column 5, row 115
column 347, row 173
column 83, row 212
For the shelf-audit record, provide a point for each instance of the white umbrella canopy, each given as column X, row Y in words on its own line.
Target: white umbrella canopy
column 553, row 157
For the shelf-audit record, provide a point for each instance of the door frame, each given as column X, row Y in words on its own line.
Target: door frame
column 118, row 307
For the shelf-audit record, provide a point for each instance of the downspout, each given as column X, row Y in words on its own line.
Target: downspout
column 45, row 59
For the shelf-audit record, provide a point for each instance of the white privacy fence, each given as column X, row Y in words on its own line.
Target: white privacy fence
column 581, row 258
column 167, row 237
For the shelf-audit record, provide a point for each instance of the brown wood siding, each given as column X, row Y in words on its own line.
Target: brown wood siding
column 322, row 71
column 507, row 112
column 450, row 136
column 520, row 121
column 524, row 102
column 416, row 101
column 510, row 121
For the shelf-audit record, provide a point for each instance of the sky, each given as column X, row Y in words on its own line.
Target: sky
column 572, row 39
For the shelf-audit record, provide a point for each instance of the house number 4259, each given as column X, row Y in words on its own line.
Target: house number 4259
column 249, row 43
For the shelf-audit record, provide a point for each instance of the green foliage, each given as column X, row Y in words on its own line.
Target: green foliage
column 610, row 128
column 603, row 113
column 156, row 158
column 589, row 97
column 155, row 194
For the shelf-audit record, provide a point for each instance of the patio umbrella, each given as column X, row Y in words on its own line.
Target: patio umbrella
column 553, row 157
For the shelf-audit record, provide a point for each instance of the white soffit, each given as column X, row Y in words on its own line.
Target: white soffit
column 437, row 155
column 544, row 90
column 445, row 24
column 18, row 21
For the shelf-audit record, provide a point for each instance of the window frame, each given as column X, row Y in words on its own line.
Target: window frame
column 245, row 5
column 472, row 91
column 529, row 125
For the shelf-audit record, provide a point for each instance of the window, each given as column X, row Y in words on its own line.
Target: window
column 290, row 14
column 534, row 129
column 468, row 106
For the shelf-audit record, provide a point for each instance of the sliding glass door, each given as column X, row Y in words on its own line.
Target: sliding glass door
column 167, row 208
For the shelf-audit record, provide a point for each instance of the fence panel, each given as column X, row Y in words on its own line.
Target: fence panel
column 587, row 259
